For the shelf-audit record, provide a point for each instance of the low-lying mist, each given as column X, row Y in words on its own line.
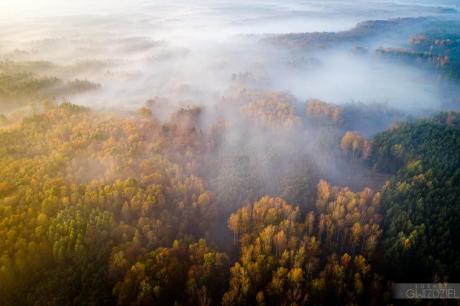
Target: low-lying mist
column 218, row 152
column 191, row 51
column 239, row 62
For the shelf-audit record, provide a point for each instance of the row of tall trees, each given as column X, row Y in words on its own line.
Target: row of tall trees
column 324, row 257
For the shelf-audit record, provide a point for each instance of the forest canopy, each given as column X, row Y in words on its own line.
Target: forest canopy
column 228, row 152
column 98, row 208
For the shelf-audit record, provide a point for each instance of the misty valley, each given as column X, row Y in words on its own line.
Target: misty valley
column 301, row 152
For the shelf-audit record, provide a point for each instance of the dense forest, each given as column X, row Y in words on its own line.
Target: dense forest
column 102, row 208
column 421, row 201
column 228, row 152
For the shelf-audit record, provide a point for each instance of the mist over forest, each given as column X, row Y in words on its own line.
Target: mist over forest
column 298, row 152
